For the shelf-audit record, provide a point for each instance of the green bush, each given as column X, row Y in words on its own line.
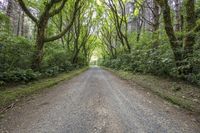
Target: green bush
column 51, row 71
column 19, row 75
column 4, row 23
column 15, row 52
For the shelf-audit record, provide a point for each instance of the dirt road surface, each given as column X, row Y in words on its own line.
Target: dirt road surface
column 97, row 102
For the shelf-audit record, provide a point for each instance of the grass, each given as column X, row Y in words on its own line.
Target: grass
column 12, row 94
column 177, row 92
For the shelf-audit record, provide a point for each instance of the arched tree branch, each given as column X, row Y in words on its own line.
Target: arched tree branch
column 28, row 13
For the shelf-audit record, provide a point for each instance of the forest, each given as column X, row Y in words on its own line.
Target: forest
column 43, row 38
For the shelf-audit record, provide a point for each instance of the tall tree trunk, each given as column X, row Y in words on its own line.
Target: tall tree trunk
column 19, row 23
column 177, row 15
column 190, row 37
column 182, row 23
column 76, row 50
column 38, row 54
column 9, row 8
column 179, row 21
column 22, row 24
column 155, row 27
column 75, row 56
column 191, row 23
column 9, row 11
column 176, row 47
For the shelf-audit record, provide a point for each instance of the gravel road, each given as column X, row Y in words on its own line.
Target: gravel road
column 97, row 102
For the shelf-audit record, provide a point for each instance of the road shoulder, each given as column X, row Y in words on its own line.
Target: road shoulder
column 181, row 94
column 10, row 96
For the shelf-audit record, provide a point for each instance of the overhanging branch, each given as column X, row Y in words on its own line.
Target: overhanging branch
column 67, row 28
column 28, row 13
column 56, row 11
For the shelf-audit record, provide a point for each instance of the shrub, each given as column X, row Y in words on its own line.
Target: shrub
column 51, row 71
column 19, row 75
column 15, row 52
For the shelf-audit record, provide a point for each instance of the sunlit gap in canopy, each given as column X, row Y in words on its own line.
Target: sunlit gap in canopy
column 96, row 56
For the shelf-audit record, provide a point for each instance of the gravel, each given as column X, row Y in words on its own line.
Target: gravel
column 97, row 102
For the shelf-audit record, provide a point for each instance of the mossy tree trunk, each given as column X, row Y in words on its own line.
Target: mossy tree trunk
column 155, row 26
column 181, row 53
column 191, row 23
column 176, row 47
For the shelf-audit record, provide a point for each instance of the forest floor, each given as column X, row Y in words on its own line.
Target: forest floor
column 97, row 101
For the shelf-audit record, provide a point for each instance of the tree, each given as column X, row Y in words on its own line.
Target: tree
column 108, row 36
column 191, row 23
column 178, row 16
column 9, row 8
column 191, row 28
column 118, row 12
column 155, row 27
column 82, row 30
column 51, row 8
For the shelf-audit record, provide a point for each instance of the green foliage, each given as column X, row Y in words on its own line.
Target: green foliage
column 16, row 57
column 4, row 23
column 15, row 52
column 19, row 75
column 56, row 58
column 144, row 58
